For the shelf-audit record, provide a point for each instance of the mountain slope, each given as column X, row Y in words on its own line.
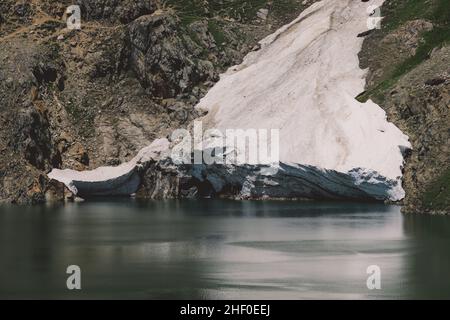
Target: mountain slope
column 82, row 99
column 303, row 82
column 409, row 76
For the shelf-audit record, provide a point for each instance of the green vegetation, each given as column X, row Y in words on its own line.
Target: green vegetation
column 214, row 12
column 432, row 39
column 241, row 10
column 192, row 10
column 397, row 13
column 438, row 194
column 400, row 12
column 82, row 116
column 285, row 7
column 216, row 32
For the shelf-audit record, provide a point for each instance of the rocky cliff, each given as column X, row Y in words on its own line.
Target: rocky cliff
column 84, row 98
column 408, row 61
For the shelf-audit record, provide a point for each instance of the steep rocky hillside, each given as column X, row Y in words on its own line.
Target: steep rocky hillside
column 84, row 98
column 409, row 76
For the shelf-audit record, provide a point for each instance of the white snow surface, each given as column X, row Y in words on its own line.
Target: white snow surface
column 303, row 81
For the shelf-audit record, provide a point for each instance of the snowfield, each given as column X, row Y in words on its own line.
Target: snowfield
column 303, row 81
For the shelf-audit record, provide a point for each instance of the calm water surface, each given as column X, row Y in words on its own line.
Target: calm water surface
column 222, row 250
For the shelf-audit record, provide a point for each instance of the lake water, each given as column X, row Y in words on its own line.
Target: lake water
column 215, row 249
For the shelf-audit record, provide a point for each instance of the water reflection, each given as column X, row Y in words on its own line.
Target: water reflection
column 221, row 249
column 429, row 262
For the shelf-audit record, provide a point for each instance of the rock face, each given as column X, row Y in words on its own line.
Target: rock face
column 422, row 108
column 161, row 180
column 26, row 144
column 86, row 99
column 166, row 63
column 396, row 46
column 408, row 62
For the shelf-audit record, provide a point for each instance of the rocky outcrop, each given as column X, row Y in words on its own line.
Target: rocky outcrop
column 166, row 61
column 26, row 143
column 392, row 49
column 408, row 76
column 420, row 103
column 85, row 99
column 160, row 181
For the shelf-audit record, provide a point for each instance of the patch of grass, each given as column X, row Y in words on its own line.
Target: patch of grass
column 186, row 20
column 242, row 10
column 239, row 9
column 435, row 38
column 438, row 12
column 216, row 32
column 190, row 11
column 398, row 13
column 285, row 7
column 82, row 117
column 437, row 196
column 73, row 110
